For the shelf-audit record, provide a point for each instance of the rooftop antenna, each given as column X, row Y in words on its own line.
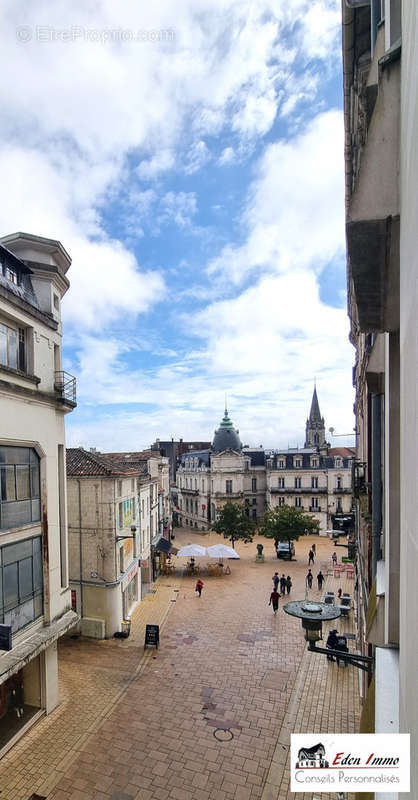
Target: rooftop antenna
column 226, row 404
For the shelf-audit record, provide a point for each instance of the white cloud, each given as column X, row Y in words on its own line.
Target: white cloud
column 197, row 156
column 227, row 156
column 105, row 278
column 295, row 211
column 179, row 207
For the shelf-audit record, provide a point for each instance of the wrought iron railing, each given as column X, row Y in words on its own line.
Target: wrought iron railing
column 66, row 385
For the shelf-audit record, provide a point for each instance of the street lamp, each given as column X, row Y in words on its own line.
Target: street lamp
column 312, row 616
column 331, row 430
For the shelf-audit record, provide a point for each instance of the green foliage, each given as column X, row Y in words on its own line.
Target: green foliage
column 234, row 524
column 286, row 523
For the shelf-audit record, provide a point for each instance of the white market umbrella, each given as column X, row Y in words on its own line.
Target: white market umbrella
column 221, row 551
column 191, row 550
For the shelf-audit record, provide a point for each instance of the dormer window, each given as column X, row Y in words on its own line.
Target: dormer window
column 281, row 464
column 314, row 462
column 298, row 462
column 12, row 276
column 338, row 463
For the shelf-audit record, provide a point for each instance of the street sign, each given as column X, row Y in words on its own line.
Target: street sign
column 5, row 637
column 152, row 636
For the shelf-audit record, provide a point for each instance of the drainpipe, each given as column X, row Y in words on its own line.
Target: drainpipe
column 376, row 479
column 80, row 548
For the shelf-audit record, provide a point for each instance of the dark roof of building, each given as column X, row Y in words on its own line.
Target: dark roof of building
column 82, row 463
column 226, row 436
column 202, row 455
column 257, row 457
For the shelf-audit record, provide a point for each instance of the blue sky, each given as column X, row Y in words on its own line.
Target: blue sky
column 197, row 181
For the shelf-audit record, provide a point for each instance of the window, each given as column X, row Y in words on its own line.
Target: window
column 339, row 507
column 203, row 486
column 281, row 483
column 132, row 484
column 315, row 502
column 12, row 347
column 119, row 488
column 195, row 483
column 339, row 483
column 229, row 487
column 187, row 503
column 281, row 501
column 254, row 484
column 298, row 483
column 21, row 583
column 298, row 502
column 314, row 483
column 195, row 507
column 298, row 462
column 316, row 438
column 120, row 515
column 281, row 464
column 12, row 275
column 20, row 493
column 314, row 462
column 142, row 508
column 338, row 462
column 254, row 513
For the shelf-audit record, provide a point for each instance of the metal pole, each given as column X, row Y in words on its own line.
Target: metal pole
column 376, row 479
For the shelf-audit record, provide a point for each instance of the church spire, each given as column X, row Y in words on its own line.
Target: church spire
column 315, row 424
column 315, row 414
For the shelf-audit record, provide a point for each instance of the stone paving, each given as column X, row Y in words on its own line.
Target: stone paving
column 208, row 715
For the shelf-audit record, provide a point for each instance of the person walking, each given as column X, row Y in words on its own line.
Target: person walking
column 311, row 557
column 283, row 584
column 199, row 587
column 275, row 580
column 288, row 584
column 339, row 593
column 314, row 549
column 276, row 547
column 334, row 558
column 309, row 579
column 320, row 579
column 274, row 600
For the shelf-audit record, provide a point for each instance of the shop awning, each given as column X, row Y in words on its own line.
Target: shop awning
column 164, row 546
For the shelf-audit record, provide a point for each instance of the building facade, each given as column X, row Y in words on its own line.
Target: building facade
column 118, row 512
column 381, row 124
column 316, row 478
column 35, row 396
column 175, row 450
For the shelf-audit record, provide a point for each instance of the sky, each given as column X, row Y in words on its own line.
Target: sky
column 188, row 154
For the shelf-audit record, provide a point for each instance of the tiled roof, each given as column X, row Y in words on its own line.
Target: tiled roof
column 80, row 462
column 344, row 452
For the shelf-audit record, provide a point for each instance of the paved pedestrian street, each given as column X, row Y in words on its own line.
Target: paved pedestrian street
column 206, row 717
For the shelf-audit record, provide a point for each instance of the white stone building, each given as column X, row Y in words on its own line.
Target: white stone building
column 380, row 59
column 35, row 395
column 316, row 478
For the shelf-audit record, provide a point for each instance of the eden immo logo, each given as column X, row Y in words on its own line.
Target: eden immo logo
column 357, row 762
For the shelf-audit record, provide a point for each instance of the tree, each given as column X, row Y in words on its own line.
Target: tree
column 234, row 524
column 287, row 523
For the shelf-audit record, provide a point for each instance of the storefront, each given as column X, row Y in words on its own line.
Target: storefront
column 20, row 702
column 129, row 586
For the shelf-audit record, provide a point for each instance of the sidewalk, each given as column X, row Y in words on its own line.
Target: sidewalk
column 93, row 675
column 208, row 715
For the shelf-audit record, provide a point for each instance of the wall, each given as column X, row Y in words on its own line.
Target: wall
column 409, row 393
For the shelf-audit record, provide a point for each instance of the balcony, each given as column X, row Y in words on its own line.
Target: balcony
column 229, row 495
column 315, row 509
column 342, row 490
column 299, row 490
column 66, row 386
column 189, row 491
